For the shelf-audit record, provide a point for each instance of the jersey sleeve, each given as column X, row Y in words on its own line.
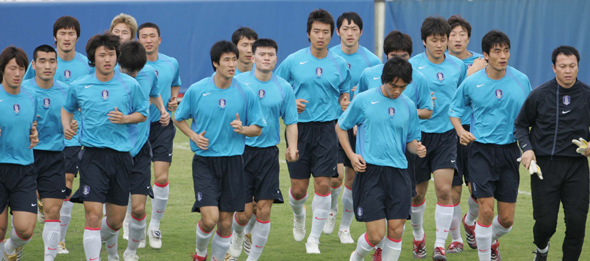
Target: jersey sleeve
column 155, row 90
column 524, row 120
column 345, row 85
column 289, row 108
column 184, row 112
column 463, row 73
column 424, row 100
column 255, row 116
column 414, row 132
column 71, row 103
column 30, row 74
column 363, row 85
column 284, row 70
column 176, row 80
column 138, row 98
column 353, row 115
column 459, row 102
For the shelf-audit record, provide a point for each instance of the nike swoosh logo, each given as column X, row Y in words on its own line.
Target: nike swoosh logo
column 63, row 190
column 421, row 67
column 2, row 100
column 51, row 249
column 159, row 211
column 376, row 78
column 87, row 86
column 479, row 85
column 134, row 240
column 112, row 245
column 33, row 205
column 248, row 83
column 320, row 218
column 375, row 102
column 483, row 250
column 92, row 259
column 303, row 62
column 565, row 112
column 348, row 210
column 205, row 94
column 452, row 161
column 258, row 246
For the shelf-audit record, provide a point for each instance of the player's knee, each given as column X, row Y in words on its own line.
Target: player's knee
column 93, row 220
column 243, row 217
column 162, row 178
column 486, row 214
column 207, row 223
column 418, row 199
column 336, row 182
column 375, row 237
column 138, row 211
column 263, row 214
column 506, row 221
column 24, row 233
column 52, row 212
column 395, row 232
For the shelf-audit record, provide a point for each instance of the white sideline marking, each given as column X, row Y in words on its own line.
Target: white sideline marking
column 524, row 192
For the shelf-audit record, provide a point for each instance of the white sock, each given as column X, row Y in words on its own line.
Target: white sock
column 363, row 248
column 136, row 233
column 14, row 242
column 498, row 230
column 92, row 243
column 159, row 202
column 237, row 227
column 50, row 238
column 219, row 246
column 129, row 206
column 472, row 211
column 65, row 216
column 250, row 224
column 260, row 234
column 417, row 219
column 392, row 249
column 202, row 241
column 456, row 224
column 483, row 238
column 335, row 192
column 297, row 205
column 381, row 243
column 348, row 206
column 320, row 206
column 443, row 215
column 111, row 238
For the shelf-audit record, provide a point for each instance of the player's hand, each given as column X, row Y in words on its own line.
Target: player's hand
column 526, row 158
column 164, row 118
column 34, row 136
column 532, row 165
column 291, row 155
column 465, row 138
column 479, row 63
column 237, row 124
column 201, row 141
column 354, row 130
column 172, row 104
column 353, row 89
column 71, row 131
column 420, row 150
column 117, row 117
column 358, row 163
column 300, row 105
column 582, row 146
column 433, row 99
column 344, row 103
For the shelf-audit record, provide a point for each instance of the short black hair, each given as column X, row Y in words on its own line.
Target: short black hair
column 349, row 16
column 221, row 47
column 396, row 67
column 565, row 50
column 43, row 48
column 434, row 25
column 265, row 43
column 397, row 41
column 242, row 32
column 108, row 40
column 457, row 20
column 8, row 54
column 133, row 56
column 148, row 25
column 320, row 16
column 66, row 22
column 493, row 38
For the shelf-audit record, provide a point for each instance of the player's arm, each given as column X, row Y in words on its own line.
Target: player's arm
column 416, row 147
column 424, row 114
column 292, row 153
column 357, row 161
column 164, row 116
column 478, row 64
column 118, row 117
column 456, row 110
column 248, row 131
column 173, row 103
column 524, row 120
column 70, row 126
column 344, row 100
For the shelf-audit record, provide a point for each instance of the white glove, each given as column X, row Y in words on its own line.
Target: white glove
column 582, row 145
column 534, row 169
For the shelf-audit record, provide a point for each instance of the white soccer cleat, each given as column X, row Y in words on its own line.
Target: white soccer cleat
column 330, row 223
column 299, row 227
column 247, row 243
column 130, row 257
column 582, row 145
column 312, row 246
column 345, row 237
column 61, row 248
column 155, row 238
column 235, row 247
column 228, row 257
column 126, row 226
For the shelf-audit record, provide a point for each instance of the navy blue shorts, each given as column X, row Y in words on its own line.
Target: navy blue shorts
column 381, row 193
column 140, row 179
column 494, row 171
column 18, row 187
column 51, row 174
column 462, row 171
column 318, row 151
column 161, row 138
column 442, row 154
column 411, row 158
column 104, row 176
column 219, row 182
column 72, row 155
column 261, row 169
column 342, row 158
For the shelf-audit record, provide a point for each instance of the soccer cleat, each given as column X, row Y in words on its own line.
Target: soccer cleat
column 312, row 246
column 40, row 213
column 61, row 248
column 345, row 237
column 198, row 258
column 247, row 243
column 12, row 257
column 126, row 226
column 155, row 238
column 455, row 247
column 377, row 254
column 228, row 257
column 235, row 247
column 496, row 251
column 439, row 254
column 330, row 223
column 419, row 250
column 469, row 234
column 299, row 227
column 541, row 256
column 19, row 253
column 114, row 258
column 130, row 257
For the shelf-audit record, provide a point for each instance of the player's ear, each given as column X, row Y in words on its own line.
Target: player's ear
column 553, row 66
column 159, row 40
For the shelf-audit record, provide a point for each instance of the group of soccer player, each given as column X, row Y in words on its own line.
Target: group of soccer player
column 384, row 130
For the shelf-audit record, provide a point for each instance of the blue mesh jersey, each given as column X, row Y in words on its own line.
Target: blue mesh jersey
column 494, row 103
column 385, row 126
column 466, row 119
column 49, row 103
column 148, row 82
column 95, row 99
column 357, row 62
column 18, row 114
column 213, row 109
column 443, row 79
column 417, row 90
column 319, row 81
column 168, row 76
column 276, row 100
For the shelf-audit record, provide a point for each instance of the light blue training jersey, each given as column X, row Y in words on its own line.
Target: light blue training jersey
column 18, row 114
column 466, row 119
column 357, row 62
column 148, row 82
column 168, row 74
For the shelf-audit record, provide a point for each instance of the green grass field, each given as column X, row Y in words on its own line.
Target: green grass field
column 178, row 225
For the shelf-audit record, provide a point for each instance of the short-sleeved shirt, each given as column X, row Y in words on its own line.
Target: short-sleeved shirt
column 385, row 126
column 168, row 74
column 466, row 119
column 494, row 104
column 357, row 62
column 276, row 99
column 443, row 79
column 49, row 104
column 96, row 99
column 148, row 82
column 18, row 114
column 318, row 81
column 213, row 109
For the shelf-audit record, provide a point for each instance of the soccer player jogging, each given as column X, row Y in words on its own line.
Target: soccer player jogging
column 321, row 81
column 350, row 28
column 217, row 105
column 244, row 38
column 557, row 113
column 261, row 155
column 495, row 95
column 443, row 73
column 387, row 125
column 161, row 137
column 49, row 156
column 110, row 103
column 124, row 26
column 18, row 135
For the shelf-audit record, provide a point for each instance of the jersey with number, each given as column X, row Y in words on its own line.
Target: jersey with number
column 357, row 62
column 18, row 114
column 168, row 74
column 148, row 82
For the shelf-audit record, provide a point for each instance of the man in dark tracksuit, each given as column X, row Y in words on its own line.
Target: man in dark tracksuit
column 558, row 112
